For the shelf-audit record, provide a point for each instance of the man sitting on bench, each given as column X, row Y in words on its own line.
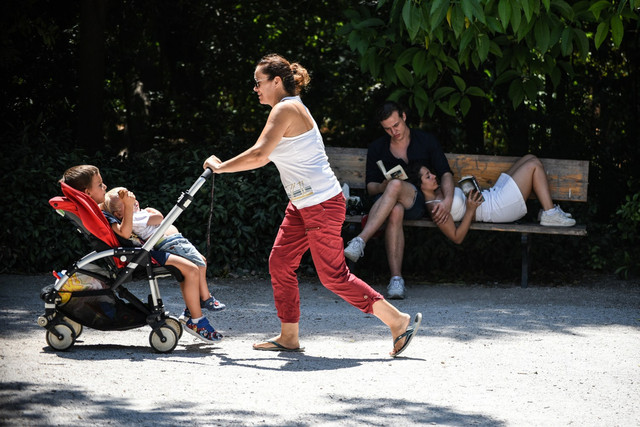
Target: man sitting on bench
column 397, row 199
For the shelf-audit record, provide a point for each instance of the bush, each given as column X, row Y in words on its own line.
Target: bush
column 246, row 210
column 627, row 234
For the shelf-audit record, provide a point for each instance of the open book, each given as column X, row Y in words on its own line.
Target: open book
column 469, row 183
column 395, row 172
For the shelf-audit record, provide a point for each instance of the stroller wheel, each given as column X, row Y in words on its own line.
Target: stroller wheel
column 64, row 337
column 170, row 339
column 174, row 324
column 77, row 327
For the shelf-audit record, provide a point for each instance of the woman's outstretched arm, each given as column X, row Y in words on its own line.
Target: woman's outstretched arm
column 457, row 233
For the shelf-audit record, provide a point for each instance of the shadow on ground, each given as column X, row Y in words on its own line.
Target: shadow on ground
column 39, row 405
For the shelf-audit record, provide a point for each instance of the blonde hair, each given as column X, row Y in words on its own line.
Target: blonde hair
column 112, row 199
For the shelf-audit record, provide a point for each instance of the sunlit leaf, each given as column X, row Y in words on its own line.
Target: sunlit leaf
column 601, row 33
column 617, row 30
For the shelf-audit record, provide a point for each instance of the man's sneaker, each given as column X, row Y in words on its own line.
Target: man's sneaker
column 203, row 330
column 395, row 289
column 212, row 304
column 556, row 218
column 567, row 214
column 355, row 249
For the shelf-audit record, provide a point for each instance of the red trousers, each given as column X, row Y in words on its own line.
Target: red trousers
column 317, row 228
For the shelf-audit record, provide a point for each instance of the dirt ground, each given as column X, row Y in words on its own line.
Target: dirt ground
column 485, row 355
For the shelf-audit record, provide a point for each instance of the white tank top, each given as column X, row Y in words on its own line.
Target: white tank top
column 459, row 205
column 304, row 166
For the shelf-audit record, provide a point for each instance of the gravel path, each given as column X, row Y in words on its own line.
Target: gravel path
column 488, row 356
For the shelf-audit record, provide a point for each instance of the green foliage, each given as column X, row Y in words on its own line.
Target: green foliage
column 177, row 87
column 426, row 50
column 627, row 233
column 247, row 207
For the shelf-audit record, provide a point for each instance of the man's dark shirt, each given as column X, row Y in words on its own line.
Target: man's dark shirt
column 424, row 150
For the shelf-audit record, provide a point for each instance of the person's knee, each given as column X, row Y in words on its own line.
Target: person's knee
column 190, row 273
column 537, row 162
column 277, row 262
column 533, row 160
column 396, row 216
column 393, row 188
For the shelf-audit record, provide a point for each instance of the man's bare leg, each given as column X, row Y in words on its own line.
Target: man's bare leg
column 394, row 240
column 396, row 192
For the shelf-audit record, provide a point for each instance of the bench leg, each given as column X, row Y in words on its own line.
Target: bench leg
column 526, row 244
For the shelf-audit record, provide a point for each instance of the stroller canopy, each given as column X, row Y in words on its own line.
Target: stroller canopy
column 86, row 213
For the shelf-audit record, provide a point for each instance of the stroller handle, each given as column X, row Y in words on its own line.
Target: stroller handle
column 206, row 174
column 183, row 202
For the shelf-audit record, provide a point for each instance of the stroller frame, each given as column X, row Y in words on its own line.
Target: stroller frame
column 113, row 266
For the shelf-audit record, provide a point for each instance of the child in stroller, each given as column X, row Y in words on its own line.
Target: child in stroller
column 145, row 223
column 87, row 179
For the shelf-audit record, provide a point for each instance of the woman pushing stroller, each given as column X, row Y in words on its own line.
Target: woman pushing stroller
column 87, row 178
column 316, row 210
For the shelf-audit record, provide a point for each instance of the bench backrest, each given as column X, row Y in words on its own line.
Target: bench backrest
column 568, row 179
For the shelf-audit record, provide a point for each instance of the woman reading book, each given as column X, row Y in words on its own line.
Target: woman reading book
column 504, row 202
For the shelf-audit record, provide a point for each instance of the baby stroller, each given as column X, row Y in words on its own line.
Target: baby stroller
column 91, row 292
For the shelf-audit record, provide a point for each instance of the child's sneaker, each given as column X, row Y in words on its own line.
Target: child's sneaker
column 212, row 304
column 203, row 330
column 186, row 315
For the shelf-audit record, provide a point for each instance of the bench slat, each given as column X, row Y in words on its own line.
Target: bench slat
column 568, row 179
column 532, row 228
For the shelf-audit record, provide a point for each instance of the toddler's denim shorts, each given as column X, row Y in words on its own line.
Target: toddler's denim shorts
column 176, row 244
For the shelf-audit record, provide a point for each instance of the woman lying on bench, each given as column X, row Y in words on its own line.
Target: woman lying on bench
column 504, row 202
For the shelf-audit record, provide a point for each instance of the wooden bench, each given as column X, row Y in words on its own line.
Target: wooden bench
column 568, row 180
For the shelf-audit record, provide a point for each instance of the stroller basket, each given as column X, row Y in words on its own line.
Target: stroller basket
column 88, row 301
column 92, row 292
